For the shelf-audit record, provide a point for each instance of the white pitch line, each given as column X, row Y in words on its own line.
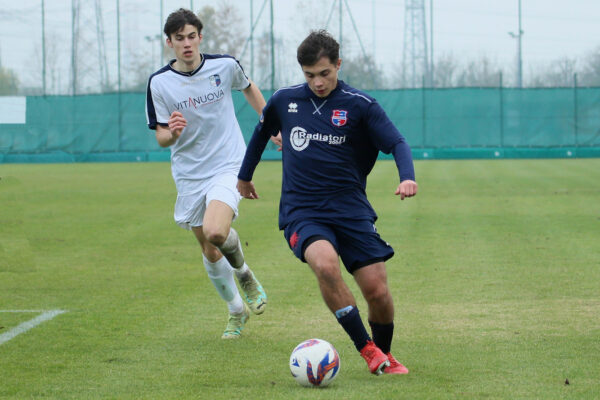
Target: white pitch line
column 23, row 311
column 27, row 325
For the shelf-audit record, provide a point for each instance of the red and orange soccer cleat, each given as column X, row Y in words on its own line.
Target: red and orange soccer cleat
column 375, row 358
column 395, row 367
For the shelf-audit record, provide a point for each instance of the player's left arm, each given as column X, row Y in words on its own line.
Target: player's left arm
column 388, row 139
column 254, row 97
column 402, row 155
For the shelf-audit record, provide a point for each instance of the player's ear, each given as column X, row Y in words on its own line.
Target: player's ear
column 200, row 37
column 169, row 43
column 338, row 64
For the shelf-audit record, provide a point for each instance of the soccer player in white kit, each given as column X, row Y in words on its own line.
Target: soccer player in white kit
column 189, row 104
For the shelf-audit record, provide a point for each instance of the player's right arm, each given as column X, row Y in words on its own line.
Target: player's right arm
column 166, row 136
column 267, row 127
column 254, row 151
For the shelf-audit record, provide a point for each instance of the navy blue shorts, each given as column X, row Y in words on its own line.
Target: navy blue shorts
column 356, row 241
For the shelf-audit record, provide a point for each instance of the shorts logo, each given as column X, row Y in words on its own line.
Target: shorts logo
column 339, row 117
column 294, row 240
column 215, row 80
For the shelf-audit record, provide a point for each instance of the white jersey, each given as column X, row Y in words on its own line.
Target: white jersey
column 212, row 141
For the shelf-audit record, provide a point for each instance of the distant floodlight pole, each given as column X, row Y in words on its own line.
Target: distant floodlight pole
column 120, row 130
column 519, row 36
column 43, row 50
column 251, row 38
column 415, row 63
column 520, row 49
column 118, row 47
column 340, row 28
column 73, row 49
column 162, row 47
column 272, row 49
column 373, row 25
column 431, row 63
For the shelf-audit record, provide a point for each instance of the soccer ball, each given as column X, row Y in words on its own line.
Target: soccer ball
column 314, row 363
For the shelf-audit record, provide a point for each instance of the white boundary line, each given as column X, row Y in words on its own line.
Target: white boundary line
column 27, row 325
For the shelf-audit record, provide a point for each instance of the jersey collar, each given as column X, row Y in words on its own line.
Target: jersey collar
column 191, row 73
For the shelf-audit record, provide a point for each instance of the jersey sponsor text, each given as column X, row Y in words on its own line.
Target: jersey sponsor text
column 200, row 100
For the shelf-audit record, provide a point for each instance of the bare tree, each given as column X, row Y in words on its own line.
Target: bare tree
column 222, row 32
column 9, row 84
column 445, row 71
column 479, row 73
column 137, row 71
column 559, row 74
column 55, row 68
column 263, row 74
column 590, row 74
column 361, row 72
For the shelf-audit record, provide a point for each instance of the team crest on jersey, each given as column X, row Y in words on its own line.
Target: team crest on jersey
column 215, row 80
column 339, row 117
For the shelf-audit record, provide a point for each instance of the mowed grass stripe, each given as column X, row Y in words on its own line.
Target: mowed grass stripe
column 494, row 279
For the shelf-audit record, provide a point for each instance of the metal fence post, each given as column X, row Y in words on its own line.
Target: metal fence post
column 501, row 95
column 575, row 110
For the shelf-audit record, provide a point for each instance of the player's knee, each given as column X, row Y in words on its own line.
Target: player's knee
column 215, row 236
column 327, row 270
column 377, row 294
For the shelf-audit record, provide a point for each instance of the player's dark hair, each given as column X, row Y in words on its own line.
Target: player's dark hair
column 318, row 44
column 178, row 19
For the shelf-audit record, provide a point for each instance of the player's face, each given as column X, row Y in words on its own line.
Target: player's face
column 322, row 77
column 185, row 43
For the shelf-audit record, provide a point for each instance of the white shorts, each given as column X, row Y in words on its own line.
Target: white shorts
column 191, row 205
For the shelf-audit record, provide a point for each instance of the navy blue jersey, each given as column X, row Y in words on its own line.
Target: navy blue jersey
column 329, row 147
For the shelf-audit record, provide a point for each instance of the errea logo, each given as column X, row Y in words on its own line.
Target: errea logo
column 292, row 108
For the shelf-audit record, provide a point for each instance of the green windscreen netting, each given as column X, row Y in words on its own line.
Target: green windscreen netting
column 438, row 123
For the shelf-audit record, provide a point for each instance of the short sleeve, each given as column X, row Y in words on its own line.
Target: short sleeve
column 240, row 80
column 157, row 112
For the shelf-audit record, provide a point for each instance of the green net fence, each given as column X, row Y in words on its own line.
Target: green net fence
column 438, row 123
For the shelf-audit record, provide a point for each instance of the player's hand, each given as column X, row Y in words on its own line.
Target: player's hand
column 277, row 141
column 407, row 188
column 247, row 189
column 176, row 124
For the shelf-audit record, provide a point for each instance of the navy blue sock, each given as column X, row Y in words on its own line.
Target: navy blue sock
column 354, row 327
column 382, row 335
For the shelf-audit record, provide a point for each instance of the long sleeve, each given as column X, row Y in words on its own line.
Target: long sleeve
column 268, row 126
column 404, row 161
column 256, row 147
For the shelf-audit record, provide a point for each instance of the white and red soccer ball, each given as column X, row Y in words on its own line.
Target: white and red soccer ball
column 314, row 363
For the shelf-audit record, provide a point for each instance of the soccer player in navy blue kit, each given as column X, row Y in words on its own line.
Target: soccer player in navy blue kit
column 331, row 136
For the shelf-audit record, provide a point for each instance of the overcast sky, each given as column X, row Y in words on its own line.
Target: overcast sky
column 468, row 29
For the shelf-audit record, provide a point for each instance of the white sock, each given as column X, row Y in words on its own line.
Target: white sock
column 242, row 272
column 221, row 275
column 232, row 249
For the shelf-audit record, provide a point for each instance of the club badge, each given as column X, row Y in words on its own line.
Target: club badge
column 339, row 117
column 215, row 80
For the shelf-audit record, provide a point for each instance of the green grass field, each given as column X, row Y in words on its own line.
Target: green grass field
column 496, row 282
